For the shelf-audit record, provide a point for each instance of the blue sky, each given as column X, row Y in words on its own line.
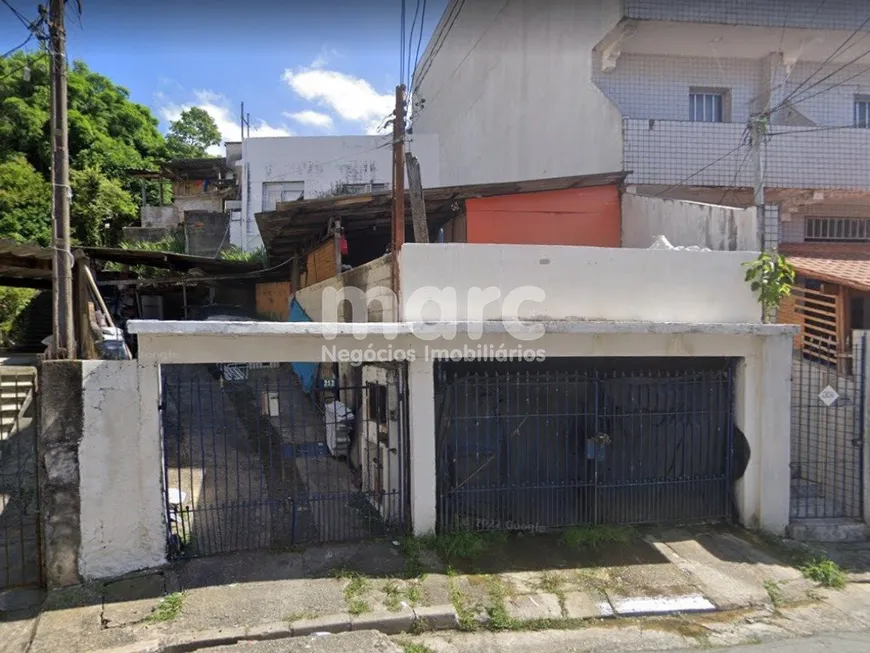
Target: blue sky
column 301, row 68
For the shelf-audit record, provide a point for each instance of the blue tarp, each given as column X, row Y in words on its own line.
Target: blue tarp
column 307, row 372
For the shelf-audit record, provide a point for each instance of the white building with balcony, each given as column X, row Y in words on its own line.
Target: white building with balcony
column 518, row 89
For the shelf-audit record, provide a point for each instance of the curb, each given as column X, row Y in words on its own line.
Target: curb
column 442, row 617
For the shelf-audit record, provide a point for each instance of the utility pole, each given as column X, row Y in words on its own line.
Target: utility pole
column 418, row 202
column 757, row 134
column 398, row 190
column 64, row 338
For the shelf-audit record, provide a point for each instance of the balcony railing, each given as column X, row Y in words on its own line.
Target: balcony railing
column 718, row 154
column 837, row 14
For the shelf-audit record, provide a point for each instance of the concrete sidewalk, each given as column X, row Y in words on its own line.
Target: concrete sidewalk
column 511, row 583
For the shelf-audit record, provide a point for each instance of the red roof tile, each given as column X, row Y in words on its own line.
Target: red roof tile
column 847, row 264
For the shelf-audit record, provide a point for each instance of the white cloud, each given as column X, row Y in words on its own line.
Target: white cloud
column 311, row 119
column 352, row 98
column 217, row 106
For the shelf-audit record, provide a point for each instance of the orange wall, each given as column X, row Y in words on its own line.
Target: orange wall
column 576, row 216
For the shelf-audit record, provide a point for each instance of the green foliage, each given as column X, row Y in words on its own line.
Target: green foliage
column 108, row 135
column 12, row 302
column 579, row 537
column 25, row 202
column 463, row 545
column 168, row 608
column 772, row 277
column 192, row 134
column 825, row 572
column 99, row 204
column 257, row 256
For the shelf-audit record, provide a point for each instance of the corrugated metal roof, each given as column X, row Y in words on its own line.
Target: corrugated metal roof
column 295, row 223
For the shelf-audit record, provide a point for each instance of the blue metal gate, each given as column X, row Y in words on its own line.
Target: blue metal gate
column 584, row 441
column 259, row 463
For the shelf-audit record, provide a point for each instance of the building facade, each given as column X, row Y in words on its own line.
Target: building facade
column 285, row 169
column 662, row 89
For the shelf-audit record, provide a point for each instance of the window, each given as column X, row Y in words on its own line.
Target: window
column 281, row 191
column 862, row 111
column 837, row 229
column 707, row 105
column 361, row 189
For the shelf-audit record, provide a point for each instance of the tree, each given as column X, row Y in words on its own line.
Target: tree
column 25, row 203
column 192, row 134
column 108, row 135
column 100, row 207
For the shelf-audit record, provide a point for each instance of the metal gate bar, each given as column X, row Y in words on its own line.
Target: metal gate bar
column 256, row 463
column 20, row 555
column 827, row 434
column 538, row 448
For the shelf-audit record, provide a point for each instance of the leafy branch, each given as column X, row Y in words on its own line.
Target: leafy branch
column 772, row 277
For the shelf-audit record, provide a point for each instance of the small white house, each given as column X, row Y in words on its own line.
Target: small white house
column 284, row 169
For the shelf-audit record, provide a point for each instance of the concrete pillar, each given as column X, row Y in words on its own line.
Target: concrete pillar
column 421, row 402
column 61, row 429
column 763, row 413
column 775, row 409
column 865, row 472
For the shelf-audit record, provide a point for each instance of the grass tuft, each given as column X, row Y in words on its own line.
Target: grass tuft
column 416, row 647
column 168, row 608
column 581, row 537
column 825, row 572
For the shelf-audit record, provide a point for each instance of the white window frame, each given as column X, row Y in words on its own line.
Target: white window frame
column 363, row 189
column 281, row 191
column 708, row 105
column 825, row 229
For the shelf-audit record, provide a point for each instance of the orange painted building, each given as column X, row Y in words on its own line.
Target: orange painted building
column 574, row 216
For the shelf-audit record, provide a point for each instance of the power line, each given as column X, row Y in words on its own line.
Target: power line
column 700, row 170
column 825, row 78
column 410, row 42
column 419, row 42
column 442, row 37
column 17, row 47
column 17, row 13
column 468, row 54
column 402, row 46
column 824, row 63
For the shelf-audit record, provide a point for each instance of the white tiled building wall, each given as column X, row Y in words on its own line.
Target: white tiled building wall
column 648, row 86
column 831, row 14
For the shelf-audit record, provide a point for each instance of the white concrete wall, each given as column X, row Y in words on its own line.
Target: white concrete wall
column 584, row 283
column 123, row 521
column 762, row 391
column 721, row 228
column 320, row 163
column 509, row 91
column 374, row 278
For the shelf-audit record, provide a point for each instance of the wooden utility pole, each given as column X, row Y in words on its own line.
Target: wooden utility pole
column 64, row 339
column 418, row 203
column 398, row 190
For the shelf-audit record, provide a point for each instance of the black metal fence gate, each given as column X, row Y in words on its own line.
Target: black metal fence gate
column 20, row 555
column 260, row 462
column 827, row 433
column 584, row 441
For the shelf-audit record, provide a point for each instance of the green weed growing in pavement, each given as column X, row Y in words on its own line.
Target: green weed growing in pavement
column 463, row 545
column 168, row 608
column 774, row 591
column 580, row 537
column 464, row 612
column 825, row 572
column 499, row 619
column 354, row 591
column 358, row 606
column 416, row 647
column 393, row 596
